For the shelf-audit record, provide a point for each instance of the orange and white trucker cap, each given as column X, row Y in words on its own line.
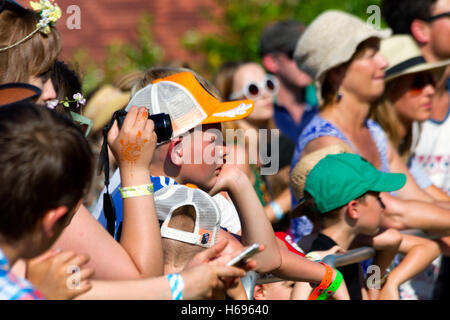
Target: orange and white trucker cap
column 207, row 214
column 188, row 103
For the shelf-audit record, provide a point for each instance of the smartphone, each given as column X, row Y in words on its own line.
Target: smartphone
column 244, row 255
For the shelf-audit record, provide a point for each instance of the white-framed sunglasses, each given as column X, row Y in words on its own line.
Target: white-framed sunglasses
column 253, row 90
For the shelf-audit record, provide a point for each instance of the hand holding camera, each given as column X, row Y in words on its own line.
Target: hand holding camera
column 134, row 143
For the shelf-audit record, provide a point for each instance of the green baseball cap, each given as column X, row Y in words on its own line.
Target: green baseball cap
column 338, row 179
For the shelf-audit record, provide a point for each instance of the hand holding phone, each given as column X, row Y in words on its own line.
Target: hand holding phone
column 244, row 255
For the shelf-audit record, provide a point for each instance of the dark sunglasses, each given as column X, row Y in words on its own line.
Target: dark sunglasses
column 377, row 196
column 254, row 90
column 438, row 16
column 420, row 81
column 380, row 201
column 12, row 5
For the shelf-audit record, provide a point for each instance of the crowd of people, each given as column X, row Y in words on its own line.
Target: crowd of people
column 353, row 118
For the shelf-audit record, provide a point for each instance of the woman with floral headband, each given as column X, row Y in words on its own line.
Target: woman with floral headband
column 29, row 45
column 27, row 52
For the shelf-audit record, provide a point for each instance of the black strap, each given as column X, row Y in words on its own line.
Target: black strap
column 103, row 164
column 404, row 65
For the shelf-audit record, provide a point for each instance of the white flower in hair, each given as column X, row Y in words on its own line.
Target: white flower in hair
column 50, row 14
column 77, row 97
column 52, row 104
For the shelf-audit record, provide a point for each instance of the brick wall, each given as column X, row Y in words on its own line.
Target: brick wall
column 103, row 21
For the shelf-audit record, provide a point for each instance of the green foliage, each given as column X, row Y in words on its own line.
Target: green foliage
column 121, row 57
column 243, row 21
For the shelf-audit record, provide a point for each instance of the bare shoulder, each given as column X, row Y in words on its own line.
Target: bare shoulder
column 323, row 142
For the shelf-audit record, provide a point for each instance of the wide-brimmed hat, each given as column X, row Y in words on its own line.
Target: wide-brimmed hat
column 331, row 40
column 18, row 92
column 103, row 104
column 404, row 57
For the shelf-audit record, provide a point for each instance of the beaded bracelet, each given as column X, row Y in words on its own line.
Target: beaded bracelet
column 326, row 282
column 136, row 191
column 176, row 284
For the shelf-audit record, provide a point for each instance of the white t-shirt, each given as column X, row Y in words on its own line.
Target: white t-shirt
column 229, row 219
column 433, row 151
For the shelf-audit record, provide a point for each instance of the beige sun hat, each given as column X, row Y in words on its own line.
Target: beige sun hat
column 404, row 57
column 331, row 40
column 306, row 164
column 103, row 104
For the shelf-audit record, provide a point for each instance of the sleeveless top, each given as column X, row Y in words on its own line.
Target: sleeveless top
column 319, row 127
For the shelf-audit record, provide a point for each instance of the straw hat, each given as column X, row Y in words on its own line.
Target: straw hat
column 306, row 163
column 331, row 40
column 103, row 104
column 404, row 57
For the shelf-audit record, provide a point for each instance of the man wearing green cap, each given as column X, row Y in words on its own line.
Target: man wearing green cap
column 342, row 193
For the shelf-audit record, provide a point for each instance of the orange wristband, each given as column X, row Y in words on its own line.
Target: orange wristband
column 326, row 281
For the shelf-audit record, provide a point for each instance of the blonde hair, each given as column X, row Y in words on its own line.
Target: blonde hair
column 385, row 114
column 224, row 82
column 33, row 57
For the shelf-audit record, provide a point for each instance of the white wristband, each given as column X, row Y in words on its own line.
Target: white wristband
column 277, row 210
column 176, row 284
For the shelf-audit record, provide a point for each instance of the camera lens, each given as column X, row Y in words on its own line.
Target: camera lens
column 163, row 126
column 162, row 121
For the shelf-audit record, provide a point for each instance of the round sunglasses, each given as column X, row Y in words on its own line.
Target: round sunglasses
column 253, row 90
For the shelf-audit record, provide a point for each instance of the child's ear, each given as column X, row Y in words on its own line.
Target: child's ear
column 51, row 217
column 270, row 63
column 421, row 31
column 352, row 210
column 259, row 293
column 176, row 151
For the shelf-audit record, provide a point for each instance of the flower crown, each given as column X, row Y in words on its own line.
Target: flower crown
column 50, row 13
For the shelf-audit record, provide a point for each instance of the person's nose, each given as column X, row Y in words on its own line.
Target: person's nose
column 382, row 62
column 48, row 91
column 429, row 90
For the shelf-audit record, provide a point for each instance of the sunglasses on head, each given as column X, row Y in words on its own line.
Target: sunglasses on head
column 438, row 16
column 420, row 81
column 11, row 5
column 254, row 90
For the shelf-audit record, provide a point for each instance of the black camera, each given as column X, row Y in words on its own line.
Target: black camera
column 163, row 124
